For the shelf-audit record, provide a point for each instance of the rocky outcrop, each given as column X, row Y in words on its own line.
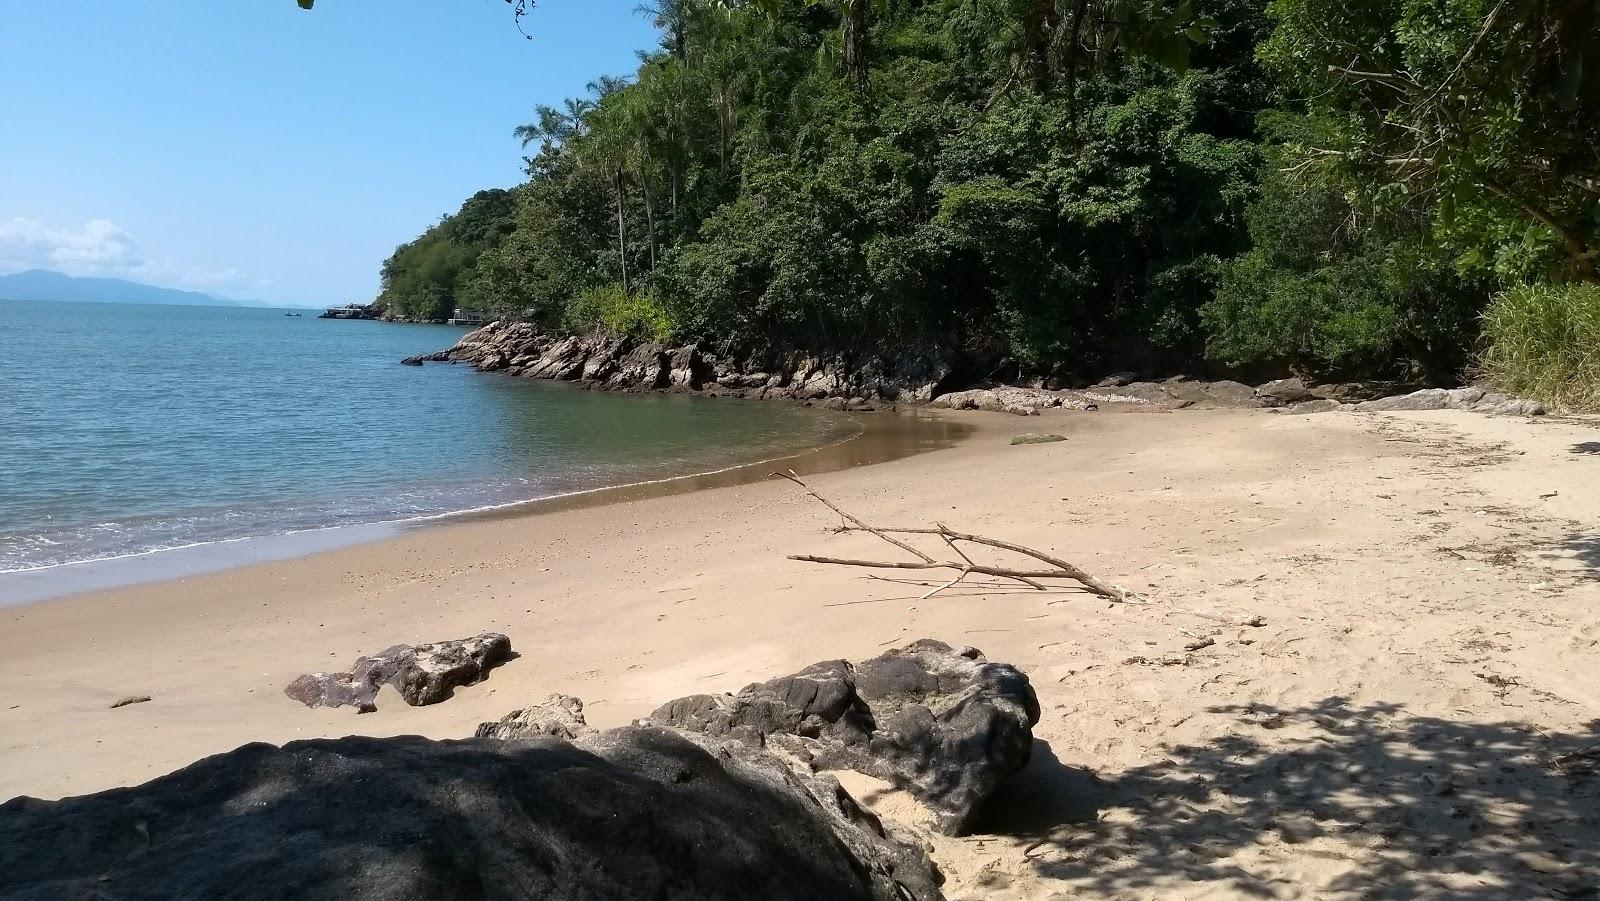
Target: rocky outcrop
column 622, row 364
column 918, row 375
column 944, row 724
column 1171, row 394
column 1037, row 438
column 628, row 813
column 1320, row 405
column 442, row 356
column 558, row 716
column 423, row 674
column 1284, row 392
column 1477, row 400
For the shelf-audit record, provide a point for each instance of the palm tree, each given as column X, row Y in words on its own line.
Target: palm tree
column 672, row 17
column 550, row 127
column 608, row 148
column 606, row 85
column 855, row 25
column 555, row 127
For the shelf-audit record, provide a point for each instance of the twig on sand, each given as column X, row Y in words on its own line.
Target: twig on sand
column 1058, row 568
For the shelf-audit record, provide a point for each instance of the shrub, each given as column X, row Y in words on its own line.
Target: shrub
column 610, row 309
column 1543, row 342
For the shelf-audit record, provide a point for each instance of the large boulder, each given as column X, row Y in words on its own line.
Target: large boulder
column 558, row 716
column 562, row 361
column 686, row 369
column 944, row 724
column 1010, row 399
column 629, row 813
column 1472, row 398
column 1283, row 392
column 1320, row 405
column 423, row 674
column 645, row 367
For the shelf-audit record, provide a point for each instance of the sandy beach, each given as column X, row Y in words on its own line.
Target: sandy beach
column 1395, row 726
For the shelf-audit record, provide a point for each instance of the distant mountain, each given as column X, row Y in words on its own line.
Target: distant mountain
column 42, row 284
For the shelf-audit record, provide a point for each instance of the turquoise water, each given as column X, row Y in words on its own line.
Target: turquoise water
column 131, row 429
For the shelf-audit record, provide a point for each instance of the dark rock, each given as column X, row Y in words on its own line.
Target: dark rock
column 1038, row 438
column 645, row 366
column 562, row 361
column 629, row 813
column 1117, row 380
column 423, row 674
column 945, row 725
column 1355, row 392
column 1321, row 405
column 603, row 360
column 685, row 369
column 130, row 700
column 1225, row 394
column 558, row 716
column 1478, row 400
column 1426, row 399
column 442, row 356
column 1282, row 392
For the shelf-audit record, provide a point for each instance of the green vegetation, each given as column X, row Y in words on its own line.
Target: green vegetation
column 612, row 310
column 439, row 272
column 1057, row 187
column 1544, row 342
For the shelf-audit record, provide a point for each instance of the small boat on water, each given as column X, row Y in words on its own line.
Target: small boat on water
column 292, row 315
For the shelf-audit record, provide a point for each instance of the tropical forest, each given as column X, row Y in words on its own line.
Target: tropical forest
column 1377, row 189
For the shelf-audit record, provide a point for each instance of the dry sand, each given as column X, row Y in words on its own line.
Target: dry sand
column 1426, row 583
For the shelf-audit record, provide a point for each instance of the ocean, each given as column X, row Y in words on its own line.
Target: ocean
column 132, row 430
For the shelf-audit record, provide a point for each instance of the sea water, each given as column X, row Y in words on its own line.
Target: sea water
column 131, row 430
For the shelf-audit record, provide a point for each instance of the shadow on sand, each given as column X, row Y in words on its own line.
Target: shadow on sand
column 1420, row 807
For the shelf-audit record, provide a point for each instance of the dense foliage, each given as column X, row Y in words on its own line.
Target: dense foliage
column 438, row 272
column 1055, row 185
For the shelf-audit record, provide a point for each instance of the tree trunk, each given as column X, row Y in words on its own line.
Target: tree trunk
column 724, row 116
column 1037, row 33
column 649, row 215
column 622, row 243
column 856, row 23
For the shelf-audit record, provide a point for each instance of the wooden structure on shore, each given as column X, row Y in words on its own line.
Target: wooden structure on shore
column 462, row 316
column 349, row 311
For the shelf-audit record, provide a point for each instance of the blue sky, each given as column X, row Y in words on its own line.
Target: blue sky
column 251, row 149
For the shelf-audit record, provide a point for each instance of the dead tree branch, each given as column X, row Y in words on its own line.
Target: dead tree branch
column 794, row 477
column 966, row 566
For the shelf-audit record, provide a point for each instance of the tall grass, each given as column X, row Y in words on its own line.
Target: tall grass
column 1543, row 342
column 610, row 309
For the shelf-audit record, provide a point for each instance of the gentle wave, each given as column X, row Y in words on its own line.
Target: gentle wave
column 133, row 533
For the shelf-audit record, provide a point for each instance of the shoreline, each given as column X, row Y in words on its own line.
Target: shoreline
column 880, row 437
column 1330, row 606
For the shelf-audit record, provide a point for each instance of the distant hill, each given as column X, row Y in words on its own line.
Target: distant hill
column 42, row 284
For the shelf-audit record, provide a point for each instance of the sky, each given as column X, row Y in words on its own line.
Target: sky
column 254, row 150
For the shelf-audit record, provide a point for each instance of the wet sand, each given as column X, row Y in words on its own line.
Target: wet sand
column 878, row 438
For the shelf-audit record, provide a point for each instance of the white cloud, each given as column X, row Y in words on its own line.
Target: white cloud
column 98, row 248
column 103, row 248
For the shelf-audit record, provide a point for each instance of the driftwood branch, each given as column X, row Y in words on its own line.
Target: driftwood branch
column 792, row 476
column 966, row 566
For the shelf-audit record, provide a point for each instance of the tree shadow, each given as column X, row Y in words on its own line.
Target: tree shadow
column 1575, row 552
column 1586, row 447
column 1046, row 795
column 1416, row 807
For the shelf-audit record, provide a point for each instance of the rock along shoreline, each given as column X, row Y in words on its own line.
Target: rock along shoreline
column 920, row 375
